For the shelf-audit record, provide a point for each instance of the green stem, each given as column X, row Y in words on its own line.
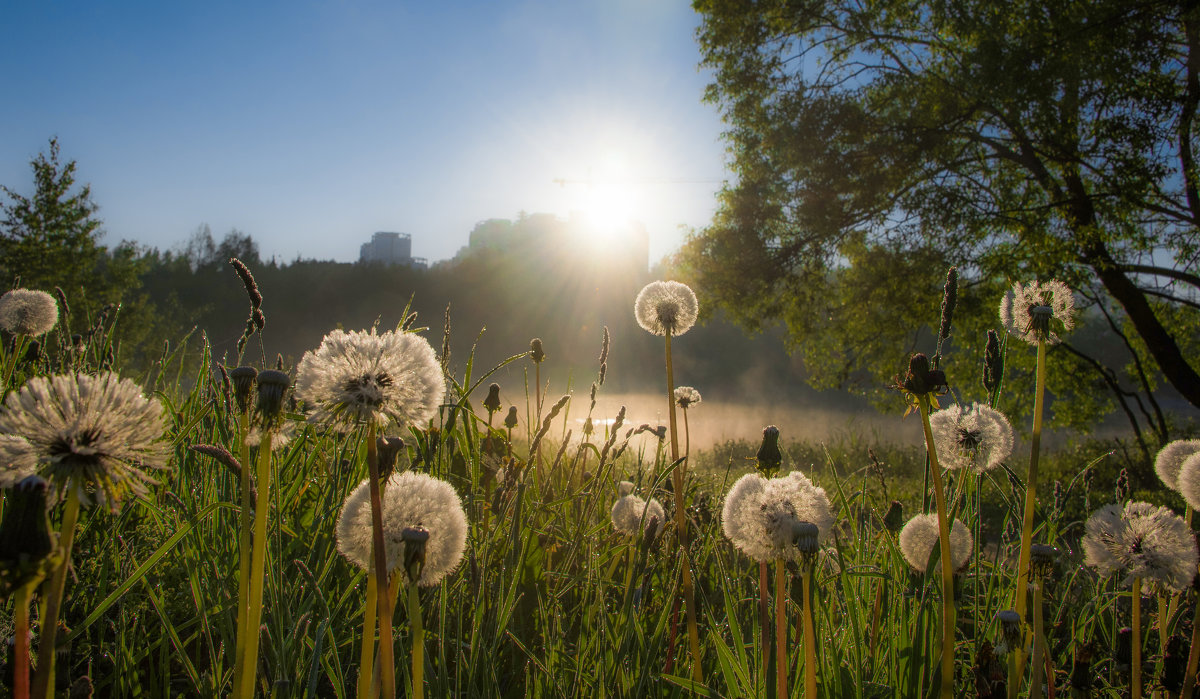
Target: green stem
column 1193, row 661
column 418, row 642
column 366, row 656
column 810, row 636
column 1136, row 673
column 948, row 612
column 1039, row 643
column 689, row 594
column 1035, row 443
column 21, row 637
column 384, row 664
column 43, row 680
column 258, row 567
column 764, row 615
column 781, row 654
column 246, row 524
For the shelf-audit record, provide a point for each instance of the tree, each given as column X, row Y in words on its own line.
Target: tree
column 875, row 144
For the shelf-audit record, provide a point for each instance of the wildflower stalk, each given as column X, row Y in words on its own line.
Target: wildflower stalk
column 1039, row 643
column 258, row 566
column 1135, row 682
column 366, row 657
column 1039, row 403
column 689, row 598
column 764, row 614
column 43, row 681
column 781, row 654
column 1189, row 676
column 418, row 641
column 244, row 543
column 810, row 635
column 21, row 637
column 384, row 665
column 948, row 613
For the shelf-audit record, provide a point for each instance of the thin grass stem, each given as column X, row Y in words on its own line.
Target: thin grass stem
column 43, row 680
column 1135, row 681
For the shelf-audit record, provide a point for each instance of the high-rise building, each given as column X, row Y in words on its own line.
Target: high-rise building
column 390, row 249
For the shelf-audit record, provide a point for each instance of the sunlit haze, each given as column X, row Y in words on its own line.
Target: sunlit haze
column 312, row 125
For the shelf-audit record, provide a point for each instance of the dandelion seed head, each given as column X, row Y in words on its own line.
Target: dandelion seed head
column 758, row 514
column 18, row 460
column 666, row 306
column 920, row 535
column 355, row 377
column 28, row 312
column 410, row 500
column 96, row 434
column 1024, row 303
column 1170, row 458
column 1140, row 540
column 686, row 397
column 975, row 438
column 1189, row 480
column 627, row 511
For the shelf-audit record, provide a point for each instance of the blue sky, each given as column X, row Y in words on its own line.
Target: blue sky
column 311, row 124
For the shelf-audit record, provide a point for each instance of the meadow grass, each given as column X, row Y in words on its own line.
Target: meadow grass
column 545, row 602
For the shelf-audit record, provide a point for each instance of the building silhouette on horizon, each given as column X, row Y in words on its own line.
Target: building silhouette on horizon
column 389, row 248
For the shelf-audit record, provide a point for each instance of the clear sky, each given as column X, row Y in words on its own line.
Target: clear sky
column 310, row 124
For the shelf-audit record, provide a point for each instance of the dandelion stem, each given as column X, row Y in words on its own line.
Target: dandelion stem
column 366, row 657
column 21, row 637
column 258, row 566
column 385, row 666
column 810, row 635
column 43, row 681
column 1136, row 671
column 781, row 654
column 1039, row 643
column 1189, row 676
column 1035, row 443
column 764, row 614
column 948, row 612
column 244, row 529
column 418, row 642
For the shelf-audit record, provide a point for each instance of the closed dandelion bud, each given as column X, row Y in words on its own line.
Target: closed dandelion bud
column 510, row 421
column 77, row 345
column 492, row 402
column 414, row 539
column 1010, row 628
column 536, row 353
column 894, row 519
column 993, row 363
column 1121, row 487
column 769, row 457
column 921, row 378
column 25, row 540
column 243, row 378
column 272, row 385
column 1042, row 558
column 806, row 537
column 1081, row 673
column 1123, row 652
column 1174, row 661
column 387, row 449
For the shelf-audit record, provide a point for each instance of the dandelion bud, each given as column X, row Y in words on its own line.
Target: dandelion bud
column 993, row 363
column 588, row 428
column 25, row 540
column 1121, row 486
column 387, row 449
column 492, row 402
column 1041, row 559
column 1123, row 652
column 536, row 353
column 511, row 420
column 660, row 432
column 243, row 378
column 414, row 539
column 1010, row 628
column 1174, row 661
column 272, row 385
column 894, row 519
column 768, row 456
column 77, row 345
column 1081, row 673
column 921, row 378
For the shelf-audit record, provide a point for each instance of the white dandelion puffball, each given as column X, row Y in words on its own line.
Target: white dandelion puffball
column 759, row 512
column 95, row 434
column 920, row 535
column 686, row 396
column 663, row 307
column 975, row 438
column 356, row 377
column 1017, row 303
column 1171, row 457
column 627, row 512
column 17, row 460
column 409, row 500
column 28, row 312
column 1141, row 540
column 1189, row 480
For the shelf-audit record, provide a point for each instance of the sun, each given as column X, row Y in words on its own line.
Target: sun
column 608, row 198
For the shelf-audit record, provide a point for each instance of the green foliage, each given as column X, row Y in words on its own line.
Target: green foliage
column 875, row 145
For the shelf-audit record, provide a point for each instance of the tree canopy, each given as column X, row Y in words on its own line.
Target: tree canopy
column 875, row 144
